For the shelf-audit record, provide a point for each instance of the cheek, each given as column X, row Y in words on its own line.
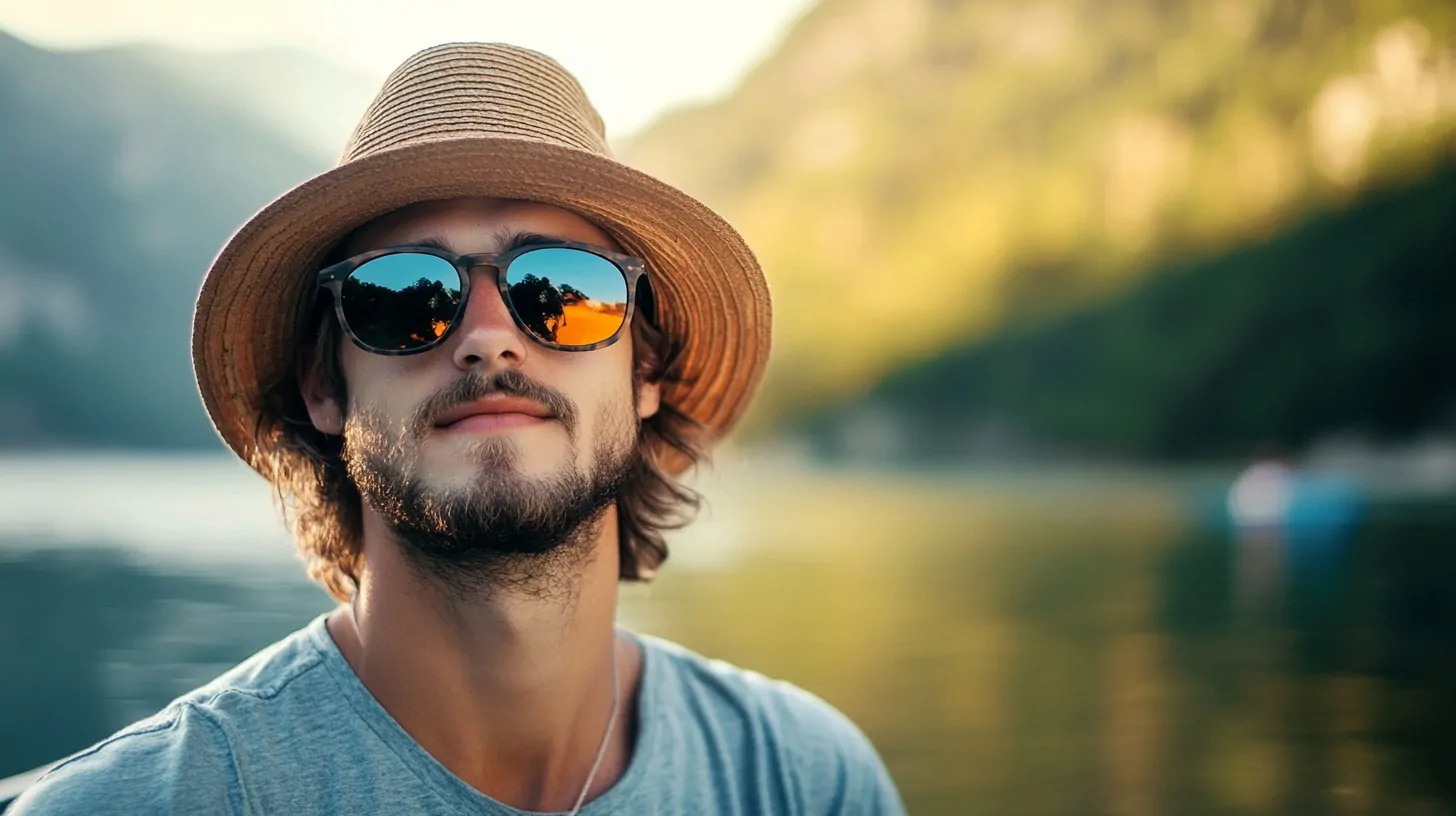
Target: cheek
column 616, row 376
column 601, row 387
column 375, row 383
column 620, row 398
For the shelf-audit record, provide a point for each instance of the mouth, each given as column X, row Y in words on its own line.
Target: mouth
column 494, row 413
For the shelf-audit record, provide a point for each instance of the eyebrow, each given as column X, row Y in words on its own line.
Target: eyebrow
column 506, row 239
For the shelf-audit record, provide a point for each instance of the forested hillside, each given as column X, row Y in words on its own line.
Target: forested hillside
column 919, row 175
column 1342, row 324
column 120, row 184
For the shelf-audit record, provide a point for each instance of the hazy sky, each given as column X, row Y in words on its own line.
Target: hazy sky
column 635, row 57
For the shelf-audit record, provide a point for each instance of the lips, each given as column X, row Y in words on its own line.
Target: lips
column 494, row 410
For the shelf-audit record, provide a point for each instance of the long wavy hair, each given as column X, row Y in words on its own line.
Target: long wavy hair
column 324, row 509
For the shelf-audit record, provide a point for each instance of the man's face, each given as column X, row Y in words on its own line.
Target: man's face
column 501, row 481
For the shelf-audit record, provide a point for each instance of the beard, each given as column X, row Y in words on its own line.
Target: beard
column 501, row 529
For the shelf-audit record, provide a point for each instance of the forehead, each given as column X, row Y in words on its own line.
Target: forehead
column 477, row 224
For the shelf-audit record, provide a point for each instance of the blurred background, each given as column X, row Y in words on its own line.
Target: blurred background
column 1107, row 459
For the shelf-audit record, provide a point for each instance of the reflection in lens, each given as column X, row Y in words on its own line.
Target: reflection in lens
column 568, row 296
column 401, row 301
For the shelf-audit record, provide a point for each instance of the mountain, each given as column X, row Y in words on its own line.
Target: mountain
column 919, row 175
column 1339, row 325
column 301, row 96
column 120, row 184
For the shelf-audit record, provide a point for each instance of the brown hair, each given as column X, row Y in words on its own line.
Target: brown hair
column 324, row 507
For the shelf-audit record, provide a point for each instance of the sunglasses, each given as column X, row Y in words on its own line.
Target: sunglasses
column 408, row 299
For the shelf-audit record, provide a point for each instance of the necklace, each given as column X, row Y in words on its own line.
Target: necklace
column 606, row 736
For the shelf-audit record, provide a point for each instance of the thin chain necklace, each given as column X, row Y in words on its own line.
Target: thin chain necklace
column 606, row 736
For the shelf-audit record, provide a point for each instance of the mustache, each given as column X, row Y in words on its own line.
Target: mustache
column 475, row 385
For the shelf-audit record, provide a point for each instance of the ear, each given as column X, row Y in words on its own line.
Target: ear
column 649, row 399
column 324, row 409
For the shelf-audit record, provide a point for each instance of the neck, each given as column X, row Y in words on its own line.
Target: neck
column 508, row 687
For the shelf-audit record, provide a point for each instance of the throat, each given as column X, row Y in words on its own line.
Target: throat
column 551, row 703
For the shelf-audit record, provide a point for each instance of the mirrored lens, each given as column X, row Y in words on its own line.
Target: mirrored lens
column 568, row 296
column 402, row 301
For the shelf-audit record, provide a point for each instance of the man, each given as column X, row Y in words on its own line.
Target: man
column 471, row 465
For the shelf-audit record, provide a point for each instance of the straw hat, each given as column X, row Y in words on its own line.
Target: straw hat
column 473, row 119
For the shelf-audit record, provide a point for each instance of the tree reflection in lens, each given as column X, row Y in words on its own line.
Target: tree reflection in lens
column 541, row 306
column 561, row 313
column 568, row 296
column 388, row 318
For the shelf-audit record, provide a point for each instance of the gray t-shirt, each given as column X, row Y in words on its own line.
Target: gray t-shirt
column 292, row 730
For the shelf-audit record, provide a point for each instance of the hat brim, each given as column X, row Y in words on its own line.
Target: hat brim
column 711, row 295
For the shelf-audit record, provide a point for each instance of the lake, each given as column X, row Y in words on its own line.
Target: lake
column 1018, row 642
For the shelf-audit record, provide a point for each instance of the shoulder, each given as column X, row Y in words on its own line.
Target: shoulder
column 803, row 722
column 827, row 762
column 174, row 762
column 184, row 758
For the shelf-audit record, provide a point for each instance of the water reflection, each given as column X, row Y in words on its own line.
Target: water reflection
column 94, row 639
column 1042, row 654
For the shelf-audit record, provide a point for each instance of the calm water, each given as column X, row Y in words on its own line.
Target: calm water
column 1084, row 643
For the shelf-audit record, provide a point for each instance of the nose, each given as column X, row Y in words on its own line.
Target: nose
column 487, row 336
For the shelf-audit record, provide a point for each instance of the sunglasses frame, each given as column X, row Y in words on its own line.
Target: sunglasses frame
column 332, row 277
